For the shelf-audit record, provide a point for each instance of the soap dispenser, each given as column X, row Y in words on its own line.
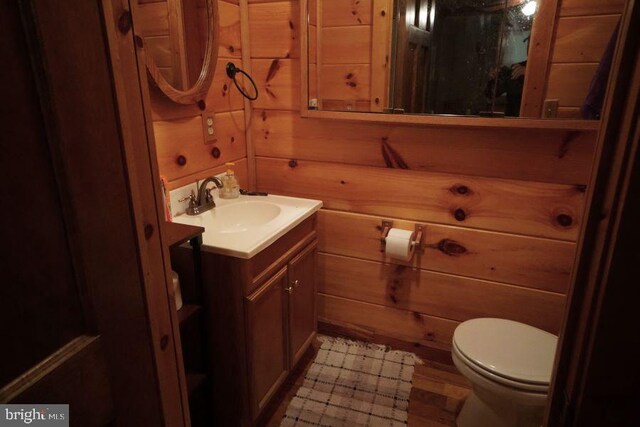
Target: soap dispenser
column 230, row 188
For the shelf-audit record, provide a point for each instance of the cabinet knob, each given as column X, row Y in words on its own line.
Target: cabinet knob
column 288, row 289
column 295, row 283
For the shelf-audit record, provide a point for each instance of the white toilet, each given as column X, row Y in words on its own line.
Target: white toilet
column 509, row 364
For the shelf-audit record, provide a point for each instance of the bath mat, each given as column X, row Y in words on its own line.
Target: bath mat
column 352, row 383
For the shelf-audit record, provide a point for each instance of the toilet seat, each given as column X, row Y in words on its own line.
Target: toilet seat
column 522, row 386
column 507, row 352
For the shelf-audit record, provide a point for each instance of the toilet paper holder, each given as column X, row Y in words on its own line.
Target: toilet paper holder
column 417, row 242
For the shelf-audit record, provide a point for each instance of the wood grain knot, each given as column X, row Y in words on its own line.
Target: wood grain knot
column 181, row 160
column 293, row 163
column 148, row 231
column 451, row 247
column 124, row 22
column 215, row 152
column 581, row 188
column 564, row 220
column 460, row 189
column 202, row 105
column 459, row 214
column 233, row 139
column 164, row 342
column 139, row 41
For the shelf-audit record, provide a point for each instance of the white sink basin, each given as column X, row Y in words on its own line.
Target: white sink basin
column 244, row 226
column 242, row 216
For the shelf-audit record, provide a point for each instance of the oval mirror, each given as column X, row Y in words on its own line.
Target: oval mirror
column 180, row 43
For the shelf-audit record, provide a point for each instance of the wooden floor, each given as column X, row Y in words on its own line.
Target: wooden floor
column 436, row 397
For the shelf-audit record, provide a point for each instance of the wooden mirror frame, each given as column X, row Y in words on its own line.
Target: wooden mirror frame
column 198, row 91
column 415, row 119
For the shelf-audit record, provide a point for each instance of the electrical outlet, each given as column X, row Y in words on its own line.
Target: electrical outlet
column 550, row 109
column 208, row 128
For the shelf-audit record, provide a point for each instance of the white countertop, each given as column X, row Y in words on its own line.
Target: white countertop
column 244, row 226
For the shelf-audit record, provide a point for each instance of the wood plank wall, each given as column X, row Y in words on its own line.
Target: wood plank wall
column 154, row 27
column 180, row 130
column 351, row 69
column 583, row 30
column 502, row 207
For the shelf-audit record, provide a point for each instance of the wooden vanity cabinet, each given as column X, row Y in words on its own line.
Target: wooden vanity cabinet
column 261, row 318
column 280, row 324
column 267, row 343
column 302, row 302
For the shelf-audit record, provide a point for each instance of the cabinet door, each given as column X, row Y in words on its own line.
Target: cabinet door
column 267, row 340
column 302, row 301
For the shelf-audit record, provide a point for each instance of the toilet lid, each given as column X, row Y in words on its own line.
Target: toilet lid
column 508, row 349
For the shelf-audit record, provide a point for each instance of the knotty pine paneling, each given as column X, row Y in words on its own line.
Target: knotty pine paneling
column 347, row 83
column 528, row 208
column 346, row 12
column 442, row 295
column 185, row 137
column 222, row 96
column 229, row 44
column 562, row 157
column 515, row 186
column 569, row 83
column 240, row 169
column 430, row 331
column 582, row 33
column 346, row 45
column 161, row 47
column 278, row 82
column 179, row 128
column 591, row 7
column 583, row 38
column 274, row 29
column 381, row 42
column 530, row 262
column 152, row 19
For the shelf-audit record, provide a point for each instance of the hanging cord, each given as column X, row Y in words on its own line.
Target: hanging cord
column 232, row 70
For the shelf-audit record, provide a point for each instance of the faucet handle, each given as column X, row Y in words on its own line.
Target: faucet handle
column 191, row 198
column 209, row 196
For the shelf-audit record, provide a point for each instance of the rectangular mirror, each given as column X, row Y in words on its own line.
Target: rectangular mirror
column 487, row 58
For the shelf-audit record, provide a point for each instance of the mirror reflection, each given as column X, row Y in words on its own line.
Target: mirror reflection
column 175, row 34
column 493, row 58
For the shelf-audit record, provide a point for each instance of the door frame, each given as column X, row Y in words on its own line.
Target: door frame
column 593, row 343
column 106, row 172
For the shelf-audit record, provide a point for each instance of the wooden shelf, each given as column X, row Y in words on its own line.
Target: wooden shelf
column 176, row 234
column 456, row 121
column 188, row 311
column 195, row 380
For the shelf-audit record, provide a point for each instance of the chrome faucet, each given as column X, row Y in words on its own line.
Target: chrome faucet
column 204, row 200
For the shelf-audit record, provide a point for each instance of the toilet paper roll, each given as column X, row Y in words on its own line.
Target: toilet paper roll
column 398, row 244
